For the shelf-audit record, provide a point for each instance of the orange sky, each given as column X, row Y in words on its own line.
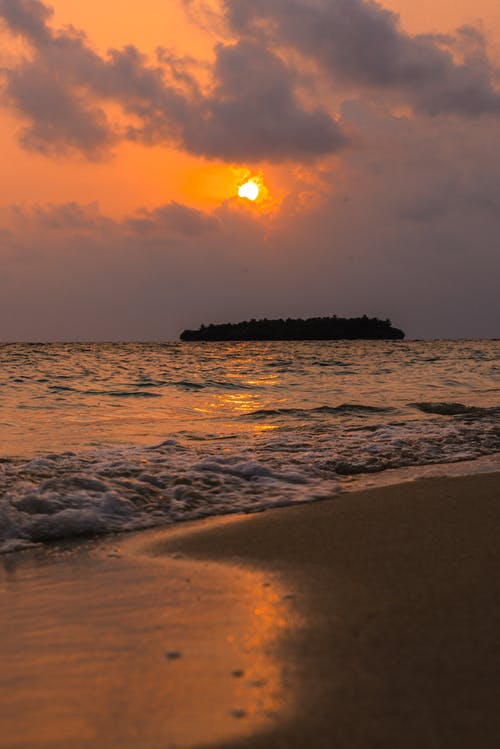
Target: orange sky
column 381, row 198
column 142, row 176
column 445, row 15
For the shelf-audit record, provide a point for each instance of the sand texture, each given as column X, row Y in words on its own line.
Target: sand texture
column 398, row 594
column 368, row 621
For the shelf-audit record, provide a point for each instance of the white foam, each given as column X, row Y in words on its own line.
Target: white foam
column 121, row 490
column 90, row 493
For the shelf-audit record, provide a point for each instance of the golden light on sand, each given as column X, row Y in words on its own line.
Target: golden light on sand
column 249, row 190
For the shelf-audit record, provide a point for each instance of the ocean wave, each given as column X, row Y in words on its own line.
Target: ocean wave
column 188, row 385
column 329, row 363
column 229, row 385
column 122, row 489
column 210, row 384
column 123, row 393
column 318, row 418
column 353, row 409
column 67, row 496
column 455, row 409
column 149, row 383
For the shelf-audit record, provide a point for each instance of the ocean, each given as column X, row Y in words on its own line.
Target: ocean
column 102, row 438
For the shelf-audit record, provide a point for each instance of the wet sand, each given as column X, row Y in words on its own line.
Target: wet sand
column 398, row 595
column 104, row 647
column 370, row 620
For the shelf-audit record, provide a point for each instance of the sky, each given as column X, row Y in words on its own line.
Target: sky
column 372, row 130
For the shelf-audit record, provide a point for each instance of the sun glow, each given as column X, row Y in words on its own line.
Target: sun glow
column 249, row 190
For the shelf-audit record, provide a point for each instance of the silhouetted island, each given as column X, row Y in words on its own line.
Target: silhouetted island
column 313, row 329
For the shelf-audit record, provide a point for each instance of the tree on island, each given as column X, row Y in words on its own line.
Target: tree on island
column 312, row 329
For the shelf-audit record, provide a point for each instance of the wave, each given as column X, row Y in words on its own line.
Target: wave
column 123, row 393
column 327, row 363
column 455, row 409
column 228, row 385
column 188, row 385
column 345, row 408
column 68, row 495
column 353, row 408
column 149, row 383
column 121, row 489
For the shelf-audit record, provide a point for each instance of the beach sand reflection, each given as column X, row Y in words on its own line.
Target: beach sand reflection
column 107, row 648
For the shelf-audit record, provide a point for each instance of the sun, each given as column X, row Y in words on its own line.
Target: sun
column 250, row 190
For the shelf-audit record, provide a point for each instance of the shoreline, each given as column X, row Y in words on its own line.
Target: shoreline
column 398, row 591
column 485, row 465
column 377, row 626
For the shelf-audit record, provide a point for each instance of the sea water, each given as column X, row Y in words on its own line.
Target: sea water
column 98, row 438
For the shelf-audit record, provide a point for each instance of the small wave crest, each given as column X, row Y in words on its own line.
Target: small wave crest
column 188, row 385
column 210, row 383
column 352, row 409
column 123, row 393
column 455, row 409
column 66, row 496
column 122, row 489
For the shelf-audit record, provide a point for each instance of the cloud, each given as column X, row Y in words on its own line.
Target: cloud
column 253, row 109
column 174, row 218
column 64, row 90
column 360, row 44
column 27, row 17
column 405, row 225
column 170, row 219
column 66, row 217
column 408, row 231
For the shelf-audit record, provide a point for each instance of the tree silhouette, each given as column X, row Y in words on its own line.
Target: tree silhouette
column 312, row 329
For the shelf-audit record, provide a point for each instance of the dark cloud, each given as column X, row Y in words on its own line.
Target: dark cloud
column 65, row 90
column 406, row 225
column 267, row 118
column 171, row 219
column 361, row 44
column 174, row 218
column 409, row 231
column 61, row 119
column 252, row 111
column 72, row 217
column 27, row 17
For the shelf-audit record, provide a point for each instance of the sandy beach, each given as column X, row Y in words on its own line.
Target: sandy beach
column 249, row 358
column 370, row 620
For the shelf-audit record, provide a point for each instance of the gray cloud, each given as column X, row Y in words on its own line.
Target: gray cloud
column 27, row 17
column 408, row 232
column 267, row 112
column 72, row 217
column 252, row 110
column 406, row 225
column 361, row 44
column 170, row 219
column 62, row 91
column 175, row 218
column 61, row 120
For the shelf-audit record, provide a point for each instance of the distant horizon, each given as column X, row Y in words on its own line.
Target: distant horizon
column 407, row 339
column 174, row 332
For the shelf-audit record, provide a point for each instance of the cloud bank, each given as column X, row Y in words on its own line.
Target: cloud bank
column 404, row 223
column 252, row 109
column 413, row 238
column 360, row 44
column 64, row 90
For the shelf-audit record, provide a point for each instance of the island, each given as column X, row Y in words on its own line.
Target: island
column 312, row 329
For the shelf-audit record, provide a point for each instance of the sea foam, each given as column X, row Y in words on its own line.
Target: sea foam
column 122, row 489
column 149, row 434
